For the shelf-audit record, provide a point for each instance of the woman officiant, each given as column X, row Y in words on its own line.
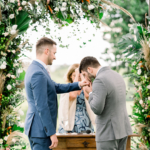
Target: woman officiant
column 75, row 114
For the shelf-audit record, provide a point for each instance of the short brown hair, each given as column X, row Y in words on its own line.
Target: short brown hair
column 88, row 61
column 42, row 42
column 70, row 71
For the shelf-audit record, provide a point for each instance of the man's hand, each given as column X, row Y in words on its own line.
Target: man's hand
column 54, row 141
column 88, row 89
column 84, row 83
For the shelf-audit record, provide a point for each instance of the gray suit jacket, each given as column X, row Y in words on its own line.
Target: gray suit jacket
column 108, row 102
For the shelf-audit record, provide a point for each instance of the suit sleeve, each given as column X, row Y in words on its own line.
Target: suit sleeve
column 97, row 97
column 39, row 89
column 65, row 88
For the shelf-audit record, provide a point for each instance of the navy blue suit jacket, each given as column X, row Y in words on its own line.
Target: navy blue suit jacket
column 41, row 90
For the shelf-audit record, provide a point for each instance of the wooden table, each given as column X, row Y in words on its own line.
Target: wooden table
column 71, row 141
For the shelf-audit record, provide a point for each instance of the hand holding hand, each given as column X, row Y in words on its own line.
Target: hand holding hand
column 88, row 89
column 83, row 83
column 54, row 141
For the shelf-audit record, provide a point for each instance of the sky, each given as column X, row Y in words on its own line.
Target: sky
column 72, row 54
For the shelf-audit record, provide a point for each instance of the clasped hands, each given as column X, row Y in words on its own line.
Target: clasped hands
column 84, row 82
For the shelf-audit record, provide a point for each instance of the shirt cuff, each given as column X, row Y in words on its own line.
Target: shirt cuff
column 79, row 85
column 90, row 93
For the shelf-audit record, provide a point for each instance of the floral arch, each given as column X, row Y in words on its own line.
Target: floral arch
column 15, row 18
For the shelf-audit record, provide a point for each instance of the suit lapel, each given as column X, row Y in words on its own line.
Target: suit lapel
column 42, row 67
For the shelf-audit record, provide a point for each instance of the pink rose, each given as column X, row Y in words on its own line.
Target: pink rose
column 7, row 148
column 142, row 105
column 20, row 8
column 18, row 3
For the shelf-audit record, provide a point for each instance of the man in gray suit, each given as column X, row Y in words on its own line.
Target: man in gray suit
column 107, row 98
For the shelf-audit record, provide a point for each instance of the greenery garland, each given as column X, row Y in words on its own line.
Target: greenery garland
column 15, row 18
column 136, row 49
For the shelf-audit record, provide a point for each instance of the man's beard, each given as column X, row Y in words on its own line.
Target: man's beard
column 91, row 77
column 49, row 61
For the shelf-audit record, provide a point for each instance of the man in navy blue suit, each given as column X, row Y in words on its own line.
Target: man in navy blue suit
column 41, row 90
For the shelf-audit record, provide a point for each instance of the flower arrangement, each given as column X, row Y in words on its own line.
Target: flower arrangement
column 16, row 16
column 136, row 46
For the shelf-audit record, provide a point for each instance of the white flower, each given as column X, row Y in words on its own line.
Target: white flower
column 14, row 27
column 63, row 9
column 12, row 1
column 14, row 140
column 11, row 107
column 20, row 112
column 6, row 34
column 9, row 87
column 139, row 72
column 18, row 118
column 20, row 46
column 64, row 4
column 14, row 84
column 5, row 138
column 137, row 83
column 13, row 76
column 148, row 86
column 3, row 66
column 13, row 31
column 24, row 3
column 13, row 51
column 134, row 63
column 145, row 76
column 1, row 141
column 9, row 75
column 90, row 7
column 16, row 65
column 38, row 7
column 140, row 88
column 20, row 70
column 143, row 110
column 21, row 124
column 149, row 98
column 56, row 9
column 80, row 14
column 4, row 63
column 141, row 101
column 11, row 16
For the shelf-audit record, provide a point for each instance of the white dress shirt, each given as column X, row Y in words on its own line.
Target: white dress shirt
column 45, row 66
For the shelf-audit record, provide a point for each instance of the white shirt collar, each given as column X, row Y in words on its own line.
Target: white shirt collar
column 42, row 63
column 99, row 70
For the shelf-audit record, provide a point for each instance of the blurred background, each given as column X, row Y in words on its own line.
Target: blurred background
column 79, row 40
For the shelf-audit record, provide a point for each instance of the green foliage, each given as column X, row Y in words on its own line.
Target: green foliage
column 140, row 77
column 22, row 76
column 119, row 22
